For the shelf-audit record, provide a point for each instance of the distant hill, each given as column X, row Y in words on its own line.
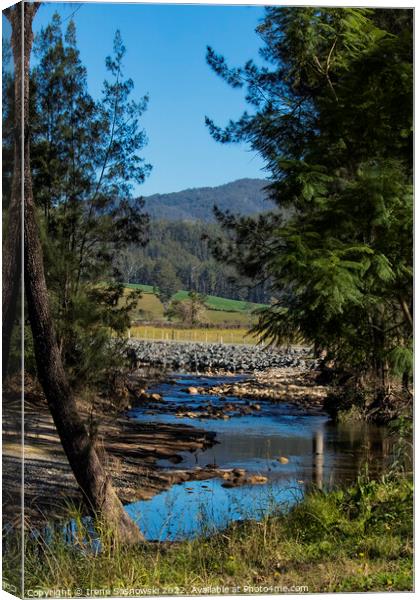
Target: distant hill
column 244, row 196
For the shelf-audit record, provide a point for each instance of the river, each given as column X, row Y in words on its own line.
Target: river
column 314, row 452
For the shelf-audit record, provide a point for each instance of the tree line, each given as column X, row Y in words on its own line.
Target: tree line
column 178, row 256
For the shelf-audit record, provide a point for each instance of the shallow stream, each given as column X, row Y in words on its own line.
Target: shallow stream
column 318, row 453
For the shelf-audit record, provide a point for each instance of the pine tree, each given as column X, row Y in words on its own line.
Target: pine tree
column 86, row 160
column 332, row 119
column 96, row 487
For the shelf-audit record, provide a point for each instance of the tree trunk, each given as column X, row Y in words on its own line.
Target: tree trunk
column 11, row 273
column 90, row 474
column 12, row 243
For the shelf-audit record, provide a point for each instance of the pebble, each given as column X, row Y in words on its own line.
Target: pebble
column 239, row 472
column 202, row 358
column 257, row 479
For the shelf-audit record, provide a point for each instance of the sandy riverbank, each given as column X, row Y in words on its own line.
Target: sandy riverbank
column 129, row 449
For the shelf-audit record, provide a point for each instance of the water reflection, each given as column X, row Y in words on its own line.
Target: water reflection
column 293, row 449
column 204, row 507
column 318, row 458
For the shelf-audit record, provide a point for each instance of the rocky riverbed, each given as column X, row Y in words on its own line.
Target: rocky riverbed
column 133, row 450
column 215, row 358
column 238, row 396
column 294, row 385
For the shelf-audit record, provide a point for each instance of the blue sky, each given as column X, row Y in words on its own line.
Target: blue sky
column 166, row 47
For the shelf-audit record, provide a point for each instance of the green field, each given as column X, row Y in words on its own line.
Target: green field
column 220, row 311
column 225, row 304
column 148, row 289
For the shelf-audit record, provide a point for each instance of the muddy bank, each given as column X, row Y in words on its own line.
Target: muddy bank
column 130, row 451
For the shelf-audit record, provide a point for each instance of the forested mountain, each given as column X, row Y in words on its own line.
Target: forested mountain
column 178, row 257
column 244, row 196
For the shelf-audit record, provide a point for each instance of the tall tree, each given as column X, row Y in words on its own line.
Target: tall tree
column 190, row 311
column 12, row 244
column 165, row 280
column 89, row 472
column 85, row 161
column 333, row 120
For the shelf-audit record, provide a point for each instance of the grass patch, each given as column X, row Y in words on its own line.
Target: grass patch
column 352, row 540
column 224, row 317
column 147, row 289
column 150, row 308
column 225, row 304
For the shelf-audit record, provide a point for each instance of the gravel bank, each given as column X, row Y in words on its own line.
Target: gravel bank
column 203, row 358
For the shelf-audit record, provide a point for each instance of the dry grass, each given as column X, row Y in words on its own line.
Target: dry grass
column 211, row 336
column 224, row 317
column 149, row 308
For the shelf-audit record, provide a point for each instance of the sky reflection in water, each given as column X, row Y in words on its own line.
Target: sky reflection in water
column 319, row 453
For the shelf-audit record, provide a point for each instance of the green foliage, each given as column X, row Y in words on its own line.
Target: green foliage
column 333, row 121
column 401, row 360
column 85, row 160
column 218, row 303
column 148, row 289
column 88, row 354
column 165, row 280
column 182, row 249
column 355, row 539
column 189, row 310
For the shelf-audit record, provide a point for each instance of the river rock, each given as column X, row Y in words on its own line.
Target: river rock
column 229, row 484
column 239, row 472
column 201, row 357
column 283, row 460
column 257, row 479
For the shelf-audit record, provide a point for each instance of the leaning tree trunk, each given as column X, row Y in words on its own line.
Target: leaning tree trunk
column 90, row 474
